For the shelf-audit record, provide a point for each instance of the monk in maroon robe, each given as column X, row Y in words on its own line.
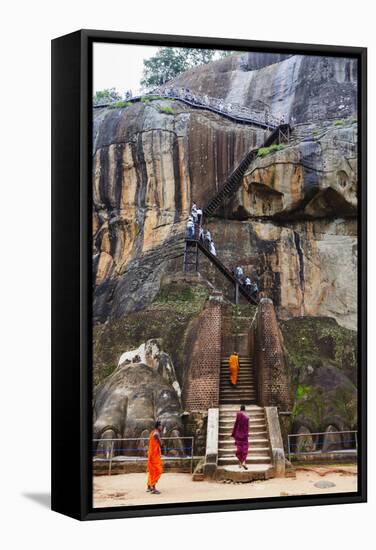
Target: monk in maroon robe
column 240, row 434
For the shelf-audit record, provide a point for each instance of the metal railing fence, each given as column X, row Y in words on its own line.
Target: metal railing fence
column 346, row 442
column 118, row 450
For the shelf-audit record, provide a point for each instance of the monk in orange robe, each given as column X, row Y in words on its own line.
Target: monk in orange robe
column 234, row 367
column 155, row 465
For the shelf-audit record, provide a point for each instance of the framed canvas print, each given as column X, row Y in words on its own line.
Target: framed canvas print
column 209, row 281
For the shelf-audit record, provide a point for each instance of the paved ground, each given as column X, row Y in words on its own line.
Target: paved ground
column 129, row 489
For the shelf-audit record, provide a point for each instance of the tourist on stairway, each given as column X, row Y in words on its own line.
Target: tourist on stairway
column 194, row 212
column 240, row 434
column 190, row 228
column 207, row 239
column 199, row 216
column 155, row 465
column 212, row 249
column 233, row 363
column 254, row 289
column 239, row 273
column 248, row 285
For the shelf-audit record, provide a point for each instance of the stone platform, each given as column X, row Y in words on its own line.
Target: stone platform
column 234, row 473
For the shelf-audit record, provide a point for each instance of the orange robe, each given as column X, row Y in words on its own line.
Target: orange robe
column 234, row 368
column 155, row 466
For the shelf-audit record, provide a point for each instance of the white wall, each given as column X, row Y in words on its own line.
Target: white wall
column 27, row 28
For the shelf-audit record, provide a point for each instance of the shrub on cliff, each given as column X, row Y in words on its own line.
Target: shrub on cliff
column 263, row 151
column 166, row 109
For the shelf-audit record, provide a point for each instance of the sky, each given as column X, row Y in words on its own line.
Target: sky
column 119, row 66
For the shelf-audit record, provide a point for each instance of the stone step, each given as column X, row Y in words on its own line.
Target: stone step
column 240, row 394
column 237, row 398
column 250, row 460
column 252, row 436
column 252, row 451
column 230, row 416
column 243, row 376
column 253, row 428
column 226, row 390
column 226, row 382
column 229, row 443
column 235, row 408
column 231, row 398
column 244, row 364
column 228, row 423
column 242, row 401
column 226, row 415
column 254, row 472
column 233, row 412
column 226, row 385
column 240, row 378
column 241, row 357
column 238, row 401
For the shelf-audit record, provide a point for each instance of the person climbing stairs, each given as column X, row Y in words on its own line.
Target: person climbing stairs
column 259, row 461
column 258, row 439
column 244, row 393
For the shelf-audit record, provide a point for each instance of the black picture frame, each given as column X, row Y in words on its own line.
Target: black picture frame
column 72, row 281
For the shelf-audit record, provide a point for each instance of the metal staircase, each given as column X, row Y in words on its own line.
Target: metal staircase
column 232, row 184
column 192, row 247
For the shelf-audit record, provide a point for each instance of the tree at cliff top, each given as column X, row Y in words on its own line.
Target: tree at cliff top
column 170, row 62
column 106, row 96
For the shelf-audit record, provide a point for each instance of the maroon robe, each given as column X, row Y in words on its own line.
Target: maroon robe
column 240, row 434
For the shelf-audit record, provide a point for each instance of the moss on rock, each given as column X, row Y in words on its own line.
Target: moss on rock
column 322, row 359
column 317, row 341
column 168, row 317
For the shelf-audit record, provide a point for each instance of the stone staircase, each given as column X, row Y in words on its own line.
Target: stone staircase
column 245, row 391
column 259, row 461
column 259, row 456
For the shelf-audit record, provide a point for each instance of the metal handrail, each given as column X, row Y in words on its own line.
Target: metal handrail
column 295, row 453
column 111, row 456
column 231, row 110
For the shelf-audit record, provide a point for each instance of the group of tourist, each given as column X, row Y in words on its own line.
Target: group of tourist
column 220, row 105
column 195, row 229
column 250, row 286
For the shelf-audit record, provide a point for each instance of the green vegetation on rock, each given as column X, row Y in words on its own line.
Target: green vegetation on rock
column 263, row 151
column 166, row 109
column 119, row 104
column 168, row 317
column 322, row 360
column 317, row 341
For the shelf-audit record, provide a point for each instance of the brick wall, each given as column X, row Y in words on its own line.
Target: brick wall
column 201, row 385
column 272, row 376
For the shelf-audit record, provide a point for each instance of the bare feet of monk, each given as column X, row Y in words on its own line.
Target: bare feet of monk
column 245, row 466
column 148, row 489
column 155, row 491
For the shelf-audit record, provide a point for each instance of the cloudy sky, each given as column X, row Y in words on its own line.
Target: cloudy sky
column 119, row 66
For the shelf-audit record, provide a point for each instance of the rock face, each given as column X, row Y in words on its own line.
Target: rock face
column 148, row 168
column 307, row 88
column 292, row 225
column 322, row 360
column 295, row 211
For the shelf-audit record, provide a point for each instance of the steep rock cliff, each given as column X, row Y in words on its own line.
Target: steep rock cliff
column 292, row 224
